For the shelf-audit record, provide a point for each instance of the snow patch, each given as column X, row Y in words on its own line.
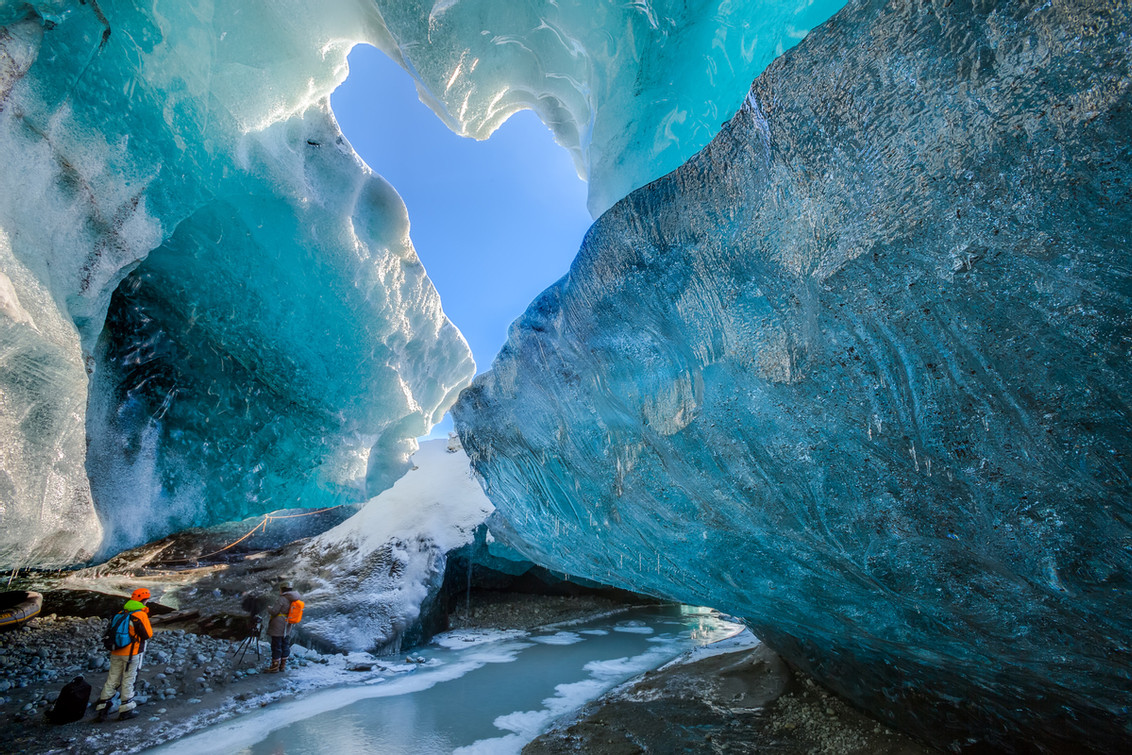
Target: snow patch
column 559, row 638
column 462, row 638
column 526, row 725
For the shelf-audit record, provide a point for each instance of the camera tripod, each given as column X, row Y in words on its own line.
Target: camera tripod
column 251, row 640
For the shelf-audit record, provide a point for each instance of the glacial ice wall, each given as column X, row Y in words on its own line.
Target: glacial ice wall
column 211, row 306
column 184, row 226
column 860, row 371
column 367, row 581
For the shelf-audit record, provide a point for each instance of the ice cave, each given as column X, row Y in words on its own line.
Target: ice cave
column 845, row 354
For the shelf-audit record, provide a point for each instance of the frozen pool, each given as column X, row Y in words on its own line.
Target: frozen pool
column 474, row 692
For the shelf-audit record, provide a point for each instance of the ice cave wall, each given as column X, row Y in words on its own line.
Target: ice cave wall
column 203, row 284
column 859, row 372
column 173, row 172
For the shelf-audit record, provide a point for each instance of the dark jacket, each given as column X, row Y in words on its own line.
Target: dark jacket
column 277, row 615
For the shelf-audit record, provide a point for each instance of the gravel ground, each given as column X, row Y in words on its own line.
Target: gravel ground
column 184, row 675
column 746, row 701
column 189, row 680
column 506, row 610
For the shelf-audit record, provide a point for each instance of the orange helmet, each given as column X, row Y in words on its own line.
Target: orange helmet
column 140, row 594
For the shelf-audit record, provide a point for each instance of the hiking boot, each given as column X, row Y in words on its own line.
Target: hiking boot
column 103, row 713
column 273, row 667
column 132, row 713
column 282, row 665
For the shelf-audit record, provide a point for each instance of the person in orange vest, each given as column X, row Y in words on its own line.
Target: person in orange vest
column 279, row 628
column 125, row 639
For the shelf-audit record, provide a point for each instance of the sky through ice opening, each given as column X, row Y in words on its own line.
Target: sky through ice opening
column 493, row 222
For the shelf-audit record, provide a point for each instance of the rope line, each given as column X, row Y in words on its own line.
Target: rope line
column 261, row 525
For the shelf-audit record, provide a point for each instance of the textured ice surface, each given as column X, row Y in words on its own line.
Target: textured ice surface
column 45, row 504
column 859, row 372
column 370, row 576
column 632, row 89
column 171, row 171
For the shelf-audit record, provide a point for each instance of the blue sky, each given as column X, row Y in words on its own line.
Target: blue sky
column 494, row 222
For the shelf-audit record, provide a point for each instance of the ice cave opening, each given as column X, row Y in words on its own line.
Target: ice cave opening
column 494, row 222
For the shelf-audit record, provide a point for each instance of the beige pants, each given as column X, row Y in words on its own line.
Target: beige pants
column 123, row 672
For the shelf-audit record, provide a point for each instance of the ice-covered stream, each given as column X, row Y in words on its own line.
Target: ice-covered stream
column 473, row 692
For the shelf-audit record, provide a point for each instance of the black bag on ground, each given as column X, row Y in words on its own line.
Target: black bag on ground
column 71, row 703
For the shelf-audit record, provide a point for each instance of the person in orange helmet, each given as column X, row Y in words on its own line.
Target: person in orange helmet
column 125, row 638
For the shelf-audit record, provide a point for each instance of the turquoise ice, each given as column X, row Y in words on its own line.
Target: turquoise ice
column 211, row 307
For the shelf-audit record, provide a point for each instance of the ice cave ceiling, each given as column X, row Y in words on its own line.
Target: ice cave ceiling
column 212, row 307
column 857, row 371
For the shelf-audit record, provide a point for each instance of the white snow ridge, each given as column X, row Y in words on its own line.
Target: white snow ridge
column 372, row 572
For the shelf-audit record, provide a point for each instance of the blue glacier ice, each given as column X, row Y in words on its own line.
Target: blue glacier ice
column 859, row 372
column 211, row 306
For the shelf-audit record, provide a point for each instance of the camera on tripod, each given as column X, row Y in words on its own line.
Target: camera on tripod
column 252, row 631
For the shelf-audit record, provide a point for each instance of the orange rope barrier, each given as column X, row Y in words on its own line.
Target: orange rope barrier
column 261, row 525
column 236, row 542
column 305, row 513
